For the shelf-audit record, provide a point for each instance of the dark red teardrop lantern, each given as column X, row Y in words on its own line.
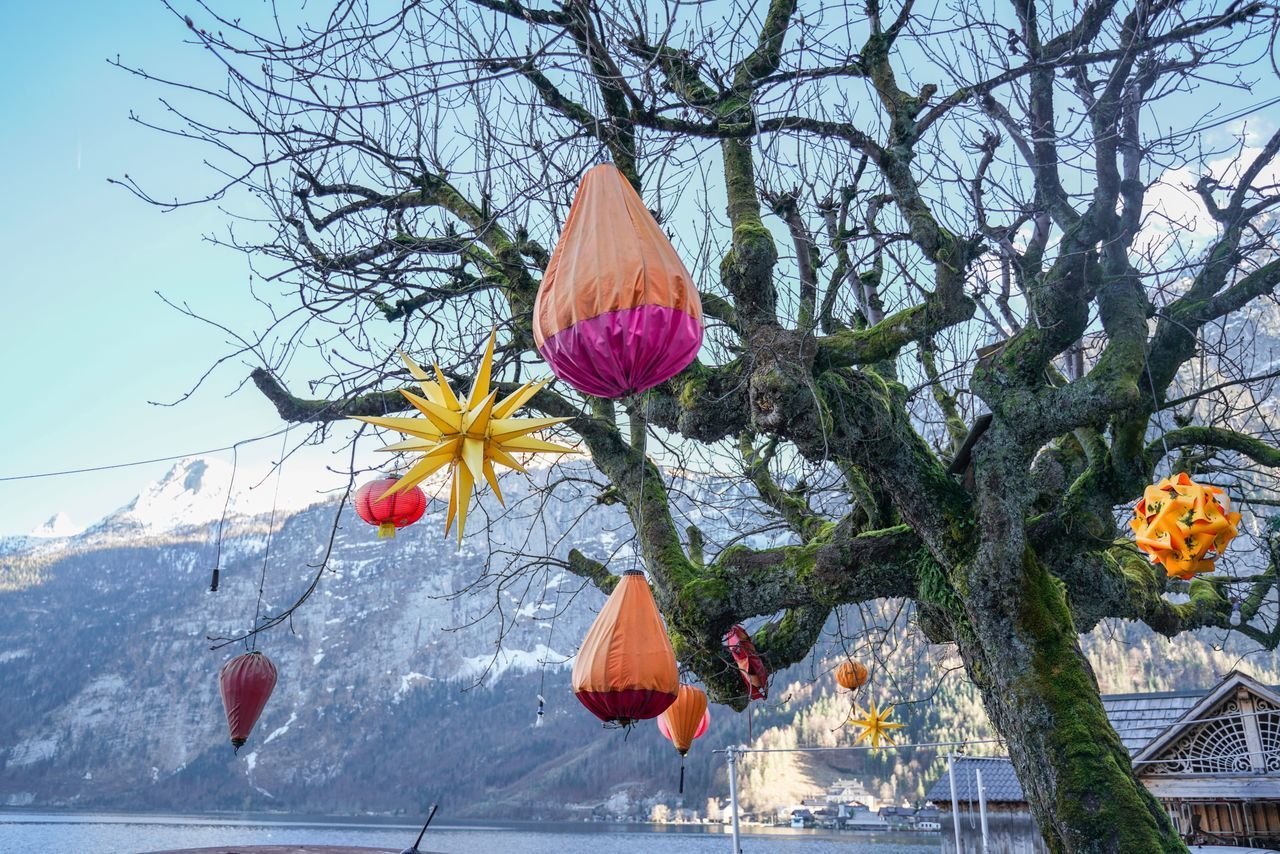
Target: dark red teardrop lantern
column 754, row 673
column 246, row 682
column 394, row 511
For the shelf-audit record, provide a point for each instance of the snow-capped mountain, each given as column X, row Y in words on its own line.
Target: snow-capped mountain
column 412, row 673
column 411, row 654
column 57, row 525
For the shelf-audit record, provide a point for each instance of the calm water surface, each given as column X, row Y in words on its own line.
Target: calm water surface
column 101, row 833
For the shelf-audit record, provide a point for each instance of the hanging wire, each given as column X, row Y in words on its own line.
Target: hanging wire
column 217, row 554
column 266, row 552
column 91, row 469
column 542, row 679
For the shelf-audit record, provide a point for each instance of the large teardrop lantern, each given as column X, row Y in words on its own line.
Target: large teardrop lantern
column 396, row 510
column 626, row 670
column 851, row 675
column 246, row 682
column 754, row 674
column 1182, row 524
column 684, row 721
column 617, row 312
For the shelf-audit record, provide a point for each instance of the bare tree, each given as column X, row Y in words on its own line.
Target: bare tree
column 950, row 330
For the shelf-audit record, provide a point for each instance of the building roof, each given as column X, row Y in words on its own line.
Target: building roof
column 998, row 778
column 1146, row 723
column 1140, row 719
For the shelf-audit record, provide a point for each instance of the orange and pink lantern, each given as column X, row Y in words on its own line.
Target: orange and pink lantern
column 617, row 312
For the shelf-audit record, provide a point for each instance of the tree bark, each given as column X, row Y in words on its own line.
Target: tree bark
column 1043, row 698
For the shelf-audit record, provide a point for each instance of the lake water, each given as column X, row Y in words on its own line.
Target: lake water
column 101, row 833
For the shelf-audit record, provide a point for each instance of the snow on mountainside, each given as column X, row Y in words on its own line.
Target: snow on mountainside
column 58, row 525
column 390, row 666
column 394, row 690
column 194, row 493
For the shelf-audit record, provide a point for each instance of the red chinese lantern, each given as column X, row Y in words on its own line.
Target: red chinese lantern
column 246, row 682
column 685, row 720
column 754, row 674
column 617, row 312
column 394, row 511
column 626, row 670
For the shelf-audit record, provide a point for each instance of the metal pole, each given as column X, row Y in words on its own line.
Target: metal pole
column 731, row 753
column 955, row 802
column 982, row 809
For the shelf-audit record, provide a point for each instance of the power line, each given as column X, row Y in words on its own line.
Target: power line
column 89, row 469
column 742, row 749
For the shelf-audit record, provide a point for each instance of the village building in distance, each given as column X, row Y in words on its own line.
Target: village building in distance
column 1212, row 758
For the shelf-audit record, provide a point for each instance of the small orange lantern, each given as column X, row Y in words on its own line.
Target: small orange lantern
column 685, row 720
column 1183, row 525
column 851, row 675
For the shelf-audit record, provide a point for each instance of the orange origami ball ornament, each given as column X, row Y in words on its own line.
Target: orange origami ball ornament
column 852, row 675
column 1184, row 525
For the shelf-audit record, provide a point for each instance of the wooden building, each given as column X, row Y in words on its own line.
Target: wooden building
column 1211, row 757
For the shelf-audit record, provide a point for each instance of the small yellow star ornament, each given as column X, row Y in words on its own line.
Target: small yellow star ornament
column 875, row 723
column 468, row 435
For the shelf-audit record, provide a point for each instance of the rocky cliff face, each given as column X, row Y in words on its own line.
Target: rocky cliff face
column 398, row 685
column 412, row 675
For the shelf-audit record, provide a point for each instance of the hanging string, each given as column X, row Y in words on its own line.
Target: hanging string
column 542, row 679
column 217, row 554
column 682, row 773
column 133, row 463
column 266, row 552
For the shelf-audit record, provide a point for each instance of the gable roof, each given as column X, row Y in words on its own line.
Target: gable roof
column 1204, row 708
column 998, row 778
column 1141, row 719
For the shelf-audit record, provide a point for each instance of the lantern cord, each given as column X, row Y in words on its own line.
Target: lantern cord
column 682, row 773
column 266, row 552
column 217, row 554
column 542, row 678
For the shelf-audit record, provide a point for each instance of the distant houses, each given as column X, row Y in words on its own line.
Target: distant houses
column 848, row 805
column 1211, row 757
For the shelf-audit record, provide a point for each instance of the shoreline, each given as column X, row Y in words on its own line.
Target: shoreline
column 66, row 815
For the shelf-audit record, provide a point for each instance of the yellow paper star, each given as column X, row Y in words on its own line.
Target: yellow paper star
column 468, row 436
column 874, row 723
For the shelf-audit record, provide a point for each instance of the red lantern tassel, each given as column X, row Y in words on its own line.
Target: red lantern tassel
column 385, row 530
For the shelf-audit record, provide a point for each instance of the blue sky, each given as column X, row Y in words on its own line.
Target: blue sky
column 86, row 342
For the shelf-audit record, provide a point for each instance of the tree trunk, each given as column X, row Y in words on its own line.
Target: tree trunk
column 1042, row 696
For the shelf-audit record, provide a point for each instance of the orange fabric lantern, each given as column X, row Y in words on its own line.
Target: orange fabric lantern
column 617, row 312
column 1183, row 525
column 851, row 675
column 685, row 720
column 626, row 670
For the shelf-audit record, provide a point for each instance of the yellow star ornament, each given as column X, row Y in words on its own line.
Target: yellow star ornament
column 468, row 436
column 875, row 723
